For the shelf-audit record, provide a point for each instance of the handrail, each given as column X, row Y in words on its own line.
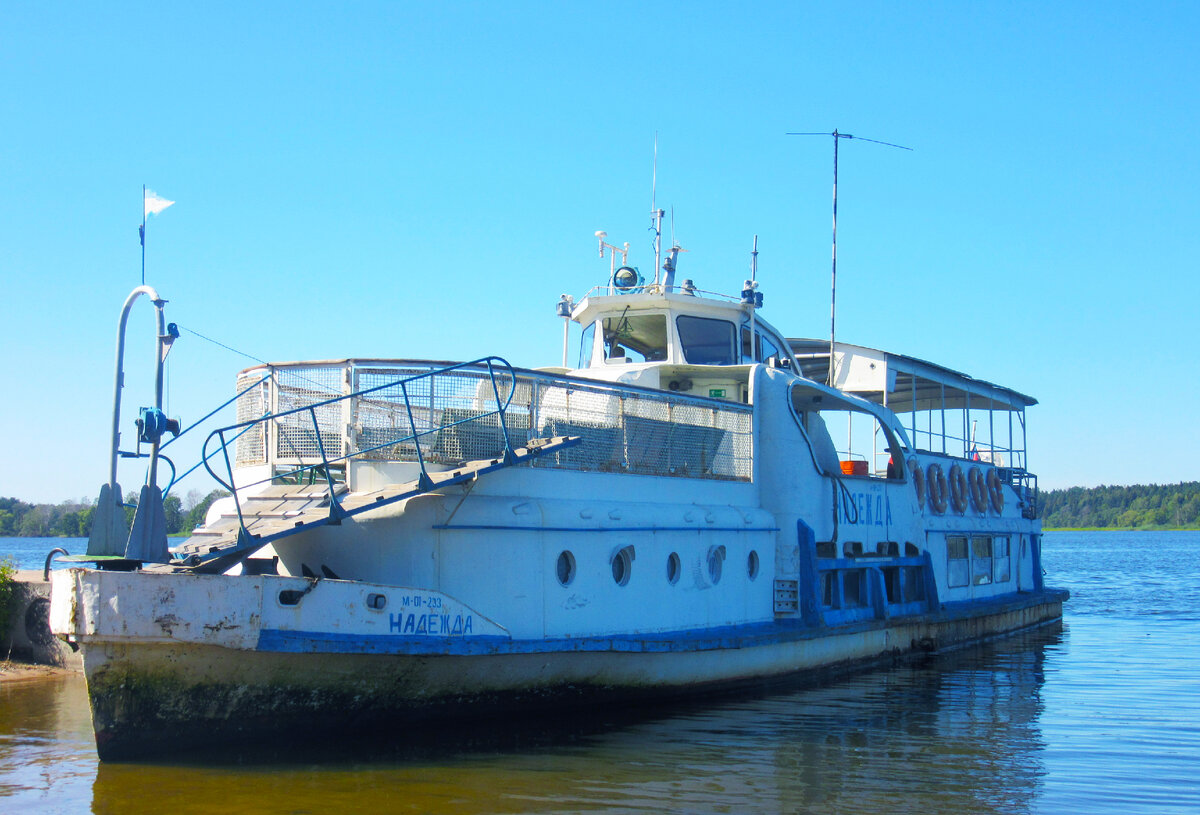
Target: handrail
column 487, row 364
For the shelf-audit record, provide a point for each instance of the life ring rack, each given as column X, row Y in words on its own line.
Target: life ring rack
column 995, row 488
column 935, row 482
column 978, row 489
column 958, row 489
column 918, row 479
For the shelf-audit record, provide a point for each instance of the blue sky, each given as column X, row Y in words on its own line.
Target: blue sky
column 423, row 180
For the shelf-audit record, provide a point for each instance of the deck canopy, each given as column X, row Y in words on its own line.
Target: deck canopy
column 945, row 411
column 900, row 382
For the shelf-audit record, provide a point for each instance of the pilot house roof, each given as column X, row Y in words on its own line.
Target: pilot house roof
column 900, row 382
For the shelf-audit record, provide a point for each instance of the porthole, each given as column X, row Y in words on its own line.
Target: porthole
column 716, row 561
column 565, row 568
column 673, row 569
column 752, row 564
column 622, row 565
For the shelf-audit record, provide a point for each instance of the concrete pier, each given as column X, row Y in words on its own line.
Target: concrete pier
column 28, row 636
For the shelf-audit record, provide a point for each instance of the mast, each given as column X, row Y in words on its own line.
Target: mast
column 833, row 295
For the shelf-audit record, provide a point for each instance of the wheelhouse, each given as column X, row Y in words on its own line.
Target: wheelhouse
column 675, row 341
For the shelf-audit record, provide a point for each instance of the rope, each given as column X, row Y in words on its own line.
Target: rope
column 317, row 385
column 223, row 345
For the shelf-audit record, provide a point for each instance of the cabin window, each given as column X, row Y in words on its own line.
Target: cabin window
column 706, row 341
column 1001, row 562
column 635, row 337
column 673, row 569
column 622, row 566
column 958, row 568
column 716, row 563
column 752, row 565
column 565, row 568
column 981, row 561
column 585, row 345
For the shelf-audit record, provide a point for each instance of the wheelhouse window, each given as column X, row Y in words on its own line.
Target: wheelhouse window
column 764, row 348
column 635, row 337
column 958, row 568
column 706, row 341
column 585, row 345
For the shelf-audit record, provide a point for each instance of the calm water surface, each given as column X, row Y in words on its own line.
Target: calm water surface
column 1100, row 717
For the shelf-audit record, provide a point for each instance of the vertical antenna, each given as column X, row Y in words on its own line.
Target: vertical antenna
column 656, row 214
column 753, row 286
column 654, row 176
column 833, row 296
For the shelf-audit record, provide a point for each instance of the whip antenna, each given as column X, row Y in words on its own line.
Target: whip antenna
column 833, row 296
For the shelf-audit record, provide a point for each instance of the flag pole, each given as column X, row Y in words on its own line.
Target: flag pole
column 142, row 234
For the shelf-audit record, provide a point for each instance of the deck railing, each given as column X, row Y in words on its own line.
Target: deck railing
column 302, row 424
column 301, row 417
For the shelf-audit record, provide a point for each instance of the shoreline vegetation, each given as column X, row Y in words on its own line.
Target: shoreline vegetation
column 1147, row 508
column 73, row 519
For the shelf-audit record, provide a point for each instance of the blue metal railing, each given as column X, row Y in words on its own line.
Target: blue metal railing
column 488, row 365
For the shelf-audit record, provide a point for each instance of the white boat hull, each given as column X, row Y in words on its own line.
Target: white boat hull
column 205, row 676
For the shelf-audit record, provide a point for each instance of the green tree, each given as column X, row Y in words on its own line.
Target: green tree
column 173, row 510
column 36, row 523
column 195, row 516
column 8, row 588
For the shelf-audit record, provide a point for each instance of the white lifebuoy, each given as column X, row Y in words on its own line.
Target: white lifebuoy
column 995, row 491
column 918, row 479
column 958, row 489
column 979, row 492
column 935, row 481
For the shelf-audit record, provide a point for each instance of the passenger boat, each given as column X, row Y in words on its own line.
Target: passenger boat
column 700, row 502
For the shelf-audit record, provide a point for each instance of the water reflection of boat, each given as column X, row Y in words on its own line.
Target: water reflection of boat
column 409, row 540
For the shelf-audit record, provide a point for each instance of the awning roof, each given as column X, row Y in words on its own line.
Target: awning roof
column 896, row 380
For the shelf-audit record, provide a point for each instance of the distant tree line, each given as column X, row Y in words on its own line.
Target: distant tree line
column 1152, row 506
column 73, row 519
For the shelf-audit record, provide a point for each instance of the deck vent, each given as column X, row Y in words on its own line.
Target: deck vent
column 787, row 593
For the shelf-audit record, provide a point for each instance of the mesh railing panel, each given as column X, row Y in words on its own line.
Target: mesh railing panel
column 639, row 432
column 251, row 446
column 437, row 405
column 296, row 436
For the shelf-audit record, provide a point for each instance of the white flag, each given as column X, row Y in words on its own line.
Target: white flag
column 155, row 204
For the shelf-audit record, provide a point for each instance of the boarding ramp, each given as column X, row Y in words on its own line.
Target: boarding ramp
column 302, row 492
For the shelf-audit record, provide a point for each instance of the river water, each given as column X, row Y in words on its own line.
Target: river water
column 1102, row 716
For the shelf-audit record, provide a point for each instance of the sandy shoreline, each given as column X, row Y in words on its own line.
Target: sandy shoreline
column 15, row 671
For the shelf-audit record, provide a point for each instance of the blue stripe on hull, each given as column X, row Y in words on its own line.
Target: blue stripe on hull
column 708, row 639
